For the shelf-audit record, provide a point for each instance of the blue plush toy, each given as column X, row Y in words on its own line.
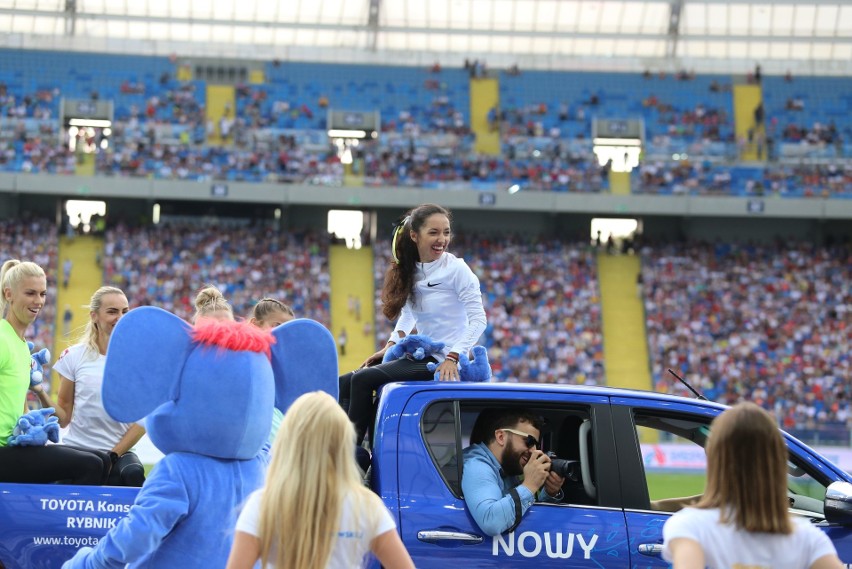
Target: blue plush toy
column 420, row 346
column 476, row 369
column 416, row 345
column 37, row 361
column 35, row 428
column 206, row 393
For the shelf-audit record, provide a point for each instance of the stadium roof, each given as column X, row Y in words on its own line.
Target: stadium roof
column 534, row 33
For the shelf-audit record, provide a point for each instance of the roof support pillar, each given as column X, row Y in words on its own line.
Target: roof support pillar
column 373, row 25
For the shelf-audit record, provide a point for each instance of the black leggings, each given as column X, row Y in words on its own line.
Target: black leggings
column 52, row 463
column 356, row 387
column 127, row 471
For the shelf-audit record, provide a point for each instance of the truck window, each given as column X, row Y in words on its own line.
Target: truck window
column 448, row 427
column 438, row 427
column 806, row 493
column 676, row 466
column 674, row 459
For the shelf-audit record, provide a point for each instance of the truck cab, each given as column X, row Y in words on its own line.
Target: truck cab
column 611, row 514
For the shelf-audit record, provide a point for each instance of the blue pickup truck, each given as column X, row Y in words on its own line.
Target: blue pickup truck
column 606, row 519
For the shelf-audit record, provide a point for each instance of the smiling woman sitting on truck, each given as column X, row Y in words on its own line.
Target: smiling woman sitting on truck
column 426, row 289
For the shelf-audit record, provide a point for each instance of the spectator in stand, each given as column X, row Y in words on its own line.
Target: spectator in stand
column 79, row 407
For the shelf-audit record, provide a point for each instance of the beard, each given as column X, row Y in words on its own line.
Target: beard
column 511, row 460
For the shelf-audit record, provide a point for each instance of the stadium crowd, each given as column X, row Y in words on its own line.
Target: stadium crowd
column 696, row 177
column 166, row 265
column 543, row 306
column 771, row 324
column 766, row 323
column 276, row 135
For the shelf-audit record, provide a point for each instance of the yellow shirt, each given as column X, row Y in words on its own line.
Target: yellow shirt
column 14, row 378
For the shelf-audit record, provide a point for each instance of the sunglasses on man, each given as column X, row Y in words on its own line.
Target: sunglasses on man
column 529, row 440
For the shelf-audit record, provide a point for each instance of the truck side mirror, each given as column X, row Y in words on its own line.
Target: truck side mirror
column 838, row 503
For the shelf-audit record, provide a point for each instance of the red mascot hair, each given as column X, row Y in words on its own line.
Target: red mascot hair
column 237, row 336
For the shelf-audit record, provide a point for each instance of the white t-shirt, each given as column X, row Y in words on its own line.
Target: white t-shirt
column 725, row 546
column 353, row 537
column 90, row 426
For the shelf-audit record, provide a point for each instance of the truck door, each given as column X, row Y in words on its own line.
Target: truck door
column 437, row 528
column 662, row 463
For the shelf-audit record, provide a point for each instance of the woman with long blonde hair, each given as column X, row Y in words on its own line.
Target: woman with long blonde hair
column 742, row 520
column 314, row 510
column 79, row 406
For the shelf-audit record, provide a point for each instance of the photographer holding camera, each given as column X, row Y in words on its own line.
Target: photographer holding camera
column 505, row 445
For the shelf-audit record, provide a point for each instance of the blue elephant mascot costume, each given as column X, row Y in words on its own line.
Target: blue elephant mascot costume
column 206, row 393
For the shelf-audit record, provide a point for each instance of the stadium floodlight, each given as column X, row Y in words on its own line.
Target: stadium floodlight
column 341, row 133
column 97, row 123
column 617, row 142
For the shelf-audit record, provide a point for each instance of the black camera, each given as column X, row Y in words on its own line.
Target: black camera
column 567, row 469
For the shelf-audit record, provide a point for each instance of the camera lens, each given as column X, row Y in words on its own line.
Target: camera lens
column 568, row 469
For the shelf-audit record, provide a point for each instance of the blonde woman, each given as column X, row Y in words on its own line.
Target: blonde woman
column 210, row 303
column 24, row 293
column 267, row 314
column 314, row 510
column 742, row 520
column 81, row 375
column 270, row 313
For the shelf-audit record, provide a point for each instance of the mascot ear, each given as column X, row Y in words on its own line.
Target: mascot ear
column 304, row 359
column 145, row 359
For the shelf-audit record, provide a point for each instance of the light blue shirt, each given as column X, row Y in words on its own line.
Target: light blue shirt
column 486, row 491
column 277, row 417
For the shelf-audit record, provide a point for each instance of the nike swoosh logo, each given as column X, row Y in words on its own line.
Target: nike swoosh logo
column 430, row 285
